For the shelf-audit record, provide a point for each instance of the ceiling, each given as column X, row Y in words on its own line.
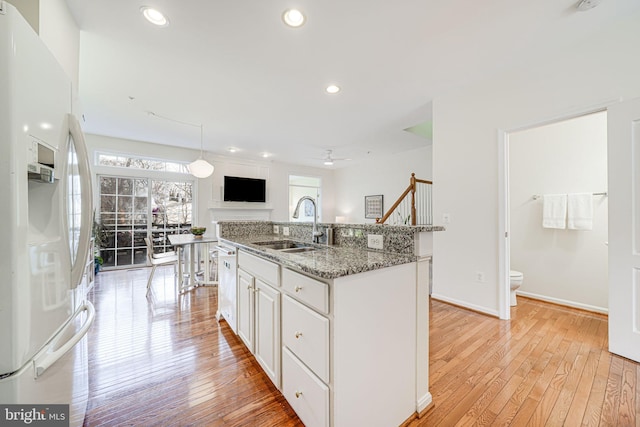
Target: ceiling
column 258, row 85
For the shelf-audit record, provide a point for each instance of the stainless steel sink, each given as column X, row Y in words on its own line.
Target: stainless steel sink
column 286, row 245
column 297, row 250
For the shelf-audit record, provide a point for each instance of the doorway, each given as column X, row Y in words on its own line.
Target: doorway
column 563, row 265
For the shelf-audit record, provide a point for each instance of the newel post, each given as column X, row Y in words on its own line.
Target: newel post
column 413, row 198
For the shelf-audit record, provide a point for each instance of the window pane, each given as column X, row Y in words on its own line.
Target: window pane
column 125, row 204
column 108, row 185
column 124, row 257
column 109, row 257
column 141, row 163
column 141, row 187
column 108, row 219
column 141, row 204
column 107, row 203
column 300, row 186
column 125, row 186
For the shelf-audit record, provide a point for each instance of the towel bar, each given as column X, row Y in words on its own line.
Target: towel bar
column 538, row 196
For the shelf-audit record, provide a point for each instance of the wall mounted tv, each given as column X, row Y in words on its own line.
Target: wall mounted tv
column 238, row 189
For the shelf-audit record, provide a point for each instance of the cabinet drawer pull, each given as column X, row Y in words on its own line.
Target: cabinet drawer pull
column 298, row 288
column 298, row 394
column 298, row 335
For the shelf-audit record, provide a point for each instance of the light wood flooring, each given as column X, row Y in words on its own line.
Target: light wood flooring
column 165, row 361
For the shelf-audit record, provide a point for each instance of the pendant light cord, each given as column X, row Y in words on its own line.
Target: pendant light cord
column 151, row 113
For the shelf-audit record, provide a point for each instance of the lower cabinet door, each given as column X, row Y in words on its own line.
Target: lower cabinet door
column 267, row 330
column 306, row 394
column 246, row 286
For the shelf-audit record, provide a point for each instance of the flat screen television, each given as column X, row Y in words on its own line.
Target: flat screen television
column 238, row 189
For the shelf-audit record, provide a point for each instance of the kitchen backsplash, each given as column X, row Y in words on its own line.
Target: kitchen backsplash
column 396, row 239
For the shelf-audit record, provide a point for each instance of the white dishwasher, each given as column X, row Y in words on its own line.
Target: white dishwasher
column 227, row 290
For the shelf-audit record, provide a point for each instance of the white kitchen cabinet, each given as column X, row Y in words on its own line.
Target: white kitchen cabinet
column 267, row 329
column 351, row 339
column 246, row 329
column 352, row 350
column 259, row 312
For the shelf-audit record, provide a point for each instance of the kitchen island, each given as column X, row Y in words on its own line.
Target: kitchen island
column 342, row 331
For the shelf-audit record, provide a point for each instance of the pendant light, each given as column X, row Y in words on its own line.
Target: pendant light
column 200, row 168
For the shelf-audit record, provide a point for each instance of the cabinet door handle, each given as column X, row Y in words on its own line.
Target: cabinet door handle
column 298, row 394
column 298, row 288
column 298, row 335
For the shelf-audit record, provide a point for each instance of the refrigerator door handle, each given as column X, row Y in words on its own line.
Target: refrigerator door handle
column 86, row 196
column 51, row 356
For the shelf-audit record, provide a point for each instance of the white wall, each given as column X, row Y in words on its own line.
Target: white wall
column 563, row 266
column 61, row 34
column 208, row 190
column 465, row 150
column 343, row 189
column 388, row 176
column 57, row 28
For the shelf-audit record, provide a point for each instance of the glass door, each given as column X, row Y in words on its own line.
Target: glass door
column 130, row 208
column 172, row 204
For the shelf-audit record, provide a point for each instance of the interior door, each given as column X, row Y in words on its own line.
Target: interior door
column 624, row 228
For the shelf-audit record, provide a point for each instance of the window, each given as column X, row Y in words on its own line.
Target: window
column 300, row 186
column 126, row 161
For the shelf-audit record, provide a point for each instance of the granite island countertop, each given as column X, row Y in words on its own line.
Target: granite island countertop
column 327, row 262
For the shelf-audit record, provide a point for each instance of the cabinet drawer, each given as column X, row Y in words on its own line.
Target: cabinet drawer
column 266, row 270
column 306, row 394
column 306, row 334
column 308, row 290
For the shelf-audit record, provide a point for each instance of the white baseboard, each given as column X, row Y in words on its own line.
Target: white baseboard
column 424, row 402
column 567, row 303
column 465, row 304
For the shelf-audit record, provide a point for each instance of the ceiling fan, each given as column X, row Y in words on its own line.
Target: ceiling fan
column 329, row 159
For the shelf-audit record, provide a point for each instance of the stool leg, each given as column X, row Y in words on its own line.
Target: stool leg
column 153, row 270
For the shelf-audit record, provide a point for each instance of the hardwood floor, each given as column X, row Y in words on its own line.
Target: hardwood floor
column 548, row 366
column 165, row 361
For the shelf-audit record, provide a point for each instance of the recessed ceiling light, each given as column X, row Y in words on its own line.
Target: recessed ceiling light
column 232, row 149
column 154, row 16
column 266, row 155
column 293, row 18
column 333, row 89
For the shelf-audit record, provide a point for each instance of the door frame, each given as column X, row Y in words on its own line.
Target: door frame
column 504, row 238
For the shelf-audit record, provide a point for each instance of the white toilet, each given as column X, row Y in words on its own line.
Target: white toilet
column 515, row 278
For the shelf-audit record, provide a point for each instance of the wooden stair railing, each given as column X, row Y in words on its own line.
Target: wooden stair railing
column 410, row 189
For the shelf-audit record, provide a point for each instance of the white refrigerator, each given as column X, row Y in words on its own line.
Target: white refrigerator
column 45, row 227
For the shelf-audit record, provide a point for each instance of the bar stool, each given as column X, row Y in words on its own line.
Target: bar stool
column 158, row 259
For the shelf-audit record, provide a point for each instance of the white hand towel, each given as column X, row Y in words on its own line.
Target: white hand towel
column 580, row 211
column 554, row 211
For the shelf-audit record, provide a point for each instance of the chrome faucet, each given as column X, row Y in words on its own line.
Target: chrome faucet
column 315, row 233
